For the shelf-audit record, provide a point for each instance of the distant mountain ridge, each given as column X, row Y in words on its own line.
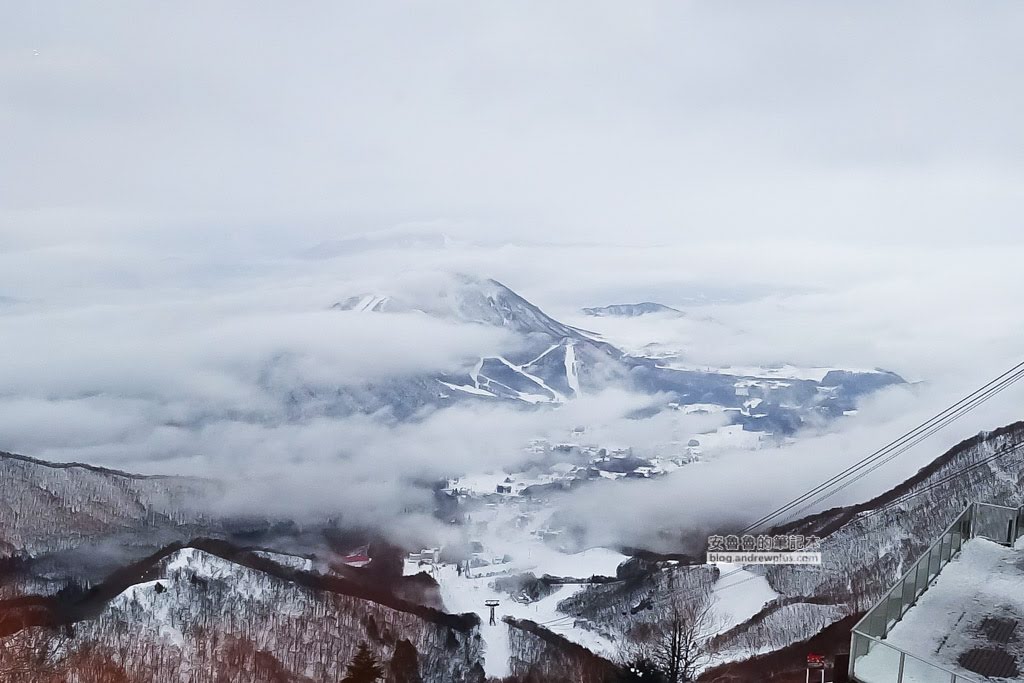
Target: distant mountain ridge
column 54, row 506
column 631, row 310
column 554, row 362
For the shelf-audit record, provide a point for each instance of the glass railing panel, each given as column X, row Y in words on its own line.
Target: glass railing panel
column 879, row 663
column 983, row 525
column 878, row 620
column 909, row 590
column 958, row 541
column 898, row 591
column 894, row 606
column 934, row 563
column 867, row 625
column 922, row 574
column 965, row 525
column 947, row 547
column 859, row 647
column 994, row 523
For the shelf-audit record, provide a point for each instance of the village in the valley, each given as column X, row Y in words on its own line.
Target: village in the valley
column 514, row 559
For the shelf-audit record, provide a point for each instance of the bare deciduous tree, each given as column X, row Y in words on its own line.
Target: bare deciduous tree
column 678, row 645
column 30, row 652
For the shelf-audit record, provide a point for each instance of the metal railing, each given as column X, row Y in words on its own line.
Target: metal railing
column 890, row 664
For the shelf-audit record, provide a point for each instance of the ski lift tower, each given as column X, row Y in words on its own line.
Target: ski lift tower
column 492, row 604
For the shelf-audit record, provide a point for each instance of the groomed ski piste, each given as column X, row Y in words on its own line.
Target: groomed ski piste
column 512, row 543
column 737, row 598
column 462, row 593
column 542, row 392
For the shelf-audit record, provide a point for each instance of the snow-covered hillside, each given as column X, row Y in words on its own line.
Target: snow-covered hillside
column 46, row 507
column 195, row 616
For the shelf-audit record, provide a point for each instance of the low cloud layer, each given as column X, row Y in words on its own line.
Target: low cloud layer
column 187, row 369
column 732, row 490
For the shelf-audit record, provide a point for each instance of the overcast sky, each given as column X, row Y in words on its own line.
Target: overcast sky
column 185, row 187
column 257, row 125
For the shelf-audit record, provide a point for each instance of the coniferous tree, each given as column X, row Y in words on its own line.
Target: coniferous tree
column 363, row 668
column 404, row 667
column 371, row 628
column 476, row 674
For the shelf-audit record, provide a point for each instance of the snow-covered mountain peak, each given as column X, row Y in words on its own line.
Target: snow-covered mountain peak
column 461, row 298
column 552, row 362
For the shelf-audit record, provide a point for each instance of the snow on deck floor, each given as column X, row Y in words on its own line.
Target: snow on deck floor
column 984, row 580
